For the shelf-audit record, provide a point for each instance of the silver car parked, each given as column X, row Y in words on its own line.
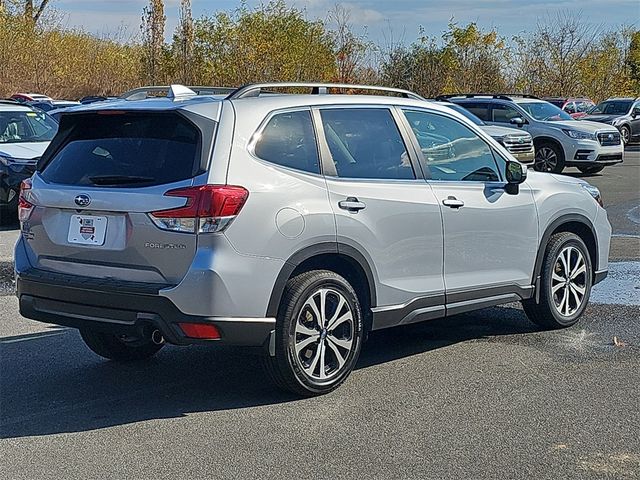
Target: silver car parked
column 295, row 223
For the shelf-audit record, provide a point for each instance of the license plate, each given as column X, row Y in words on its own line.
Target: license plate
column 87, row 229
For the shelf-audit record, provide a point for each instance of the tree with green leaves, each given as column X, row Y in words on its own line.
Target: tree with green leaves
column 183, row 45
column 152, row 28
column 633, row 60
column 272, row 42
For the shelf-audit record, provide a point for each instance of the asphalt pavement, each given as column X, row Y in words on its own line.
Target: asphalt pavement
column 479, row 395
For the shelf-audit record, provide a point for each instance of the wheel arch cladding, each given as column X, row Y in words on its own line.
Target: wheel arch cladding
column 342, row 259
column 539, row 141
column 574, row 223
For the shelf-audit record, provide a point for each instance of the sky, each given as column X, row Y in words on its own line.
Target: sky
column 396, row 21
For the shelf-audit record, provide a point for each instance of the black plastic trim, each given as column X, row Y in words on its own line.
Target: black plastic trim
column 600, row 276
column 485, row 292
column 433, row 306
column 385, row 317
column 312, row 251
column 128, row 313
column 571, row 217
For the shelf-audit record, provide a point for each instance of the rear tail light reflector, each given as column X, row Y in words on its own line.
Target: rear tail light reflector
column 200, row 330
column 208, row 209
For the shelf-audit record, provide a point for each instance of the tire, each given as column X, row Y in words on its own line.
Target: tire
column 119, row 349
column 625, row 133
column 306, row 354
column 591, row 170
column 552, row 312
column 549, row 158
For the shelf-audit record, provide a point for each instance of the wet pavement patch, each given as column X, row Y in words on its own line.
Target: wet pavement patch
column 621, row 287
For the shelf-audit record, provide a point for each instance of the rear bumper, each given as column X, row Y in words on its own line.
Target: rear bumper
column 128, row 313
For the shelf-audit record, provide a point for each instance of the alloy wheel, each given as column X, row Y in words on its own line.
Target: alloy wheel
column 569, row 281
column 324, row 334
column 546, row 159
column 624, row 132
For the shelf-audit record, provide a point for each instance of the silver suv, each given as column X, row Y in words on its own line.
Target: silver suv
column 292, row 222
column 560, row 141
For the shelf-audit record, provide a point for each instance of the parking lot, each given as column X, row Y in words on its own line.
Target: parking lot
column 480, row 395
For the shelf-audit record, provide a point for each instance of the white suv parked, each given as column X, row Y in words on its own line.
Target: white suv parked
column 295, row 223
column 560, row 141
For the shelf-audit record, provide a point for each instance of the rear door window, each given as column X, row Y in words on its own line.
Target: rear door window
column 366, row 143
column 503, row 113
column 126, row 150
column 479, row 109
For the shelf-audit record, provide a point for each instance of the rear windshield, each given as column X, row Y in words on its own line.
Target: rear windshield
column 126, row 150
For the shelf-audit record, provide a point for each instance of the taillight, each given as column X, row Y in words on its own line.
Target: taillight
column 25, row 207
column 209, row 208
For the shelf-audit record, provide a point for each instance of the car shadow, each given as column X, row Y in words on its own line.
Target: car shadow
column 52, row 384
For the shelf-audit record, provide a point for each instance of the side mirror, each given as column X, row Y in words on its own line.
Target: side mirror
column 516, row 173
column 635, row 113
column 519, row 121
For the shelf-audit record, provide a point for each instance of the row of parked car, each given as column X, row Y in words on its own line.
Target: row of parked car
column 537, row 132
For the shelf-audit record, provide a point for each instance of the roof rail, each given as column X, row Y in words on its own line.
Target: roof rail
column 255, row 89
column 9, row 101
column 150, row 91
column 500, row 96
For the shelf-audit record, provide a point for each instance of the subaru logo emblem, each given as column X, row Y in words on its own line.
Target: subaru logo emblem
column 83, row 200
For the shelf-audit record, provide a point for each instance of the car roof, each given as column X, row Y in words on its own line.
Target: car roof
column 14, row 107
column 210, row 105
column 492, row 99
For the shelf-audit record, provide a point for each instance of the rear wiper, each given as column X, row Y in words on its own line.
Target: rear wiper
column 118, row 179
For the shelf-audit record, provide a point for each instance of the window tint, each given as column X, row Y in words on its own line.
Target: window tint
column 504, row 113
column 451, row 150
column 480, row 110
column 126, row 150
column 289, row 140
column 366, row 143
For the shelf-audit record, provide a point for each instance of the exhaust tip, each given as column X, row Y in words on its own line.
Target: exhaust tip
column 157, row 338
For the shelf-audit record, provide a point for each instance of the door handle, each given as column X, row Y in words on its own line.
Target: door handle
column 453, row 202
column 351, row 204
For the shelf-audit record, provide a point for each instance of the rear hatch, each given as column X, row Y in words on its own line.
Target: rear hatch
column 96, row 185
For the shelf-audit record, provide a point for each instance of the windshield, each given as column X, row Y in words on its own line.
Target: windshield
column 544, row 111
column 460, row 109
column 26, row 126
column 612, row 107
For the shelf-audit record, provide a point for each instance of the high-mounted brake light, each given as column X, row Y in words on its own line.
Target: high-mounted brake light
column 25, row 207
column 209, row 209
